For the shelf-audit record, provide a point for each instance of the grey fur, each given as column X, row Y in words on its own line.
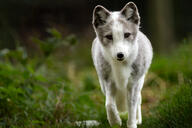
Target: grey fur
column 130, row 11
column 100, row 16
column 121, row 82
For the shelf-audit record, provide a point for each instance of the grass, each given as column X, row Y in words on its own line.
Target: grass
column 178, row 63
column 174, row 111
column 47, row 91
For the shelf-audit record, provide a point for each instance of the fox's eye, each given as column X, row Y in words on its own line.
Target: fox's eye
column 109, row 37
column 127, row 34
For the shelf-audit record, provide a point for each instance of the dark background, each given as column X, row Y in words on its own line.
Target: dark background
column 165, row 22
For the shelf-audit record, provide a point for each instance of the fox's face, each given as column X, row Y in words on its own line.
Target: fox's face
column 117, row 31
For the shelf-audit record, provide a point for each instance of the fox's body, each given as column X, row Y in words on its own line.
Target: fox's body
column 121, row 55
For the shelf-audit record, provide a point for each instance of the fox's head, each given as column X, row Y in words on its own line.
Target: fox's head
column 117, row 31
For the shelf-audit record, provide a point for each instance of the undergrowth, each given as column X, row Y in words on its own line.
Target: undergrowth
column 45, row 91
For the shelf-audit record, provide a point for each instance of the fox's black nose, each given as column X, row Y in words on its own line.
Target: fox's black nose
column 120, row 56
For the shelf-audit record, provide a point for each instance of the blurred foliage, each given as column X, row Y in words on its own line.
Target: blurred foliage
column 177, row 65
column 29, row 98
column 172, row 112
column 57, row 94
column 49, row 45
column 18, row 55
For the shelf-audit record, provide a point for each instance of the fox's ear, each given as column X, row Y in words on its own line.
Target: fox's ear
column 100, row 15
column 131, row 13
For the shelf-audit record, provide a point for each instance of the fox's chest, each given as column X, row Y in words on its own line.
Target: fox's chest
column 121, row 74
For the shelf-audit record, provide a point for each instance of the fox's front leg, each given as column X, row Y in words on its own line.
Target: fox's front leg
column 111, row 108
column 139, row 115
column 132, row 108
column 134, row 101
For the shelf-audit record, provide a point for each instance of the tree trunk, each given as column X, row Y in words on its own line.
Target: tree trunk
column 161, row 24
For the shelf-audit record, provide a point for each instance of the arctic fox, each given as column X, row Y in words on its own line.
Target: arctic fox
column 122, row 55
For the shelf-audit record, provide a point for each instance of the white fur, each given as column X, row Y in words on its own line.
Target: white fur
column 125, row 93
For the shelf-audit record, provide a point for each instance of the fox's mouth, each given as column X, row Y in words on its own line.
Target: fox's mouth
column 120, row 59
